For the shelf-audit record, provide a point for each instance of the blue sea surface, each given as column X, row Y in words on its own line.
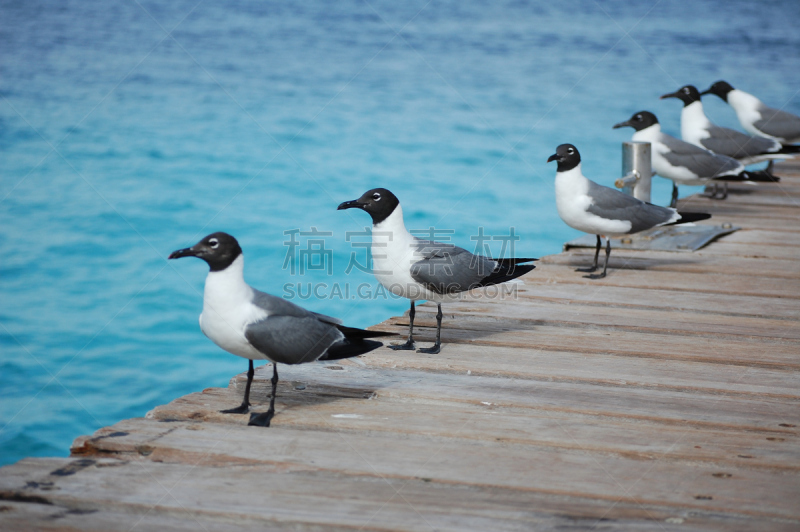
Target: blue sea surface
column 131, row 129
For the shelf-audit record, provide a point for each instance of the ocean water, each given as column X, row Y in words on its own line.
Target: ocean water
column 131, row 129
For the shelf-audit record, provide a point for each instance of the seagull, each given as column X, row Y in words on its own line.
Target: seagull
column 586, row 206
column 758, row 119
column 423, row 270
column 685, row 163
column 257, row 326
column 697, row 129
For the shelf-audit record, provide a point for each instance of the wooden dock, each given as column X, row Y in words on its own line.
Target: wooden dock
column 664, row 397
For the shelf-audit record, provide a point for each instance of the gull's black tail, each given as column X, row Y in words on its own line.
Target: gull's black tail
column 513, row 262
column 507, row 270
column 790, row 149
column 756, row 176
column 689, row 217
column 760, row 176
column 354, row 343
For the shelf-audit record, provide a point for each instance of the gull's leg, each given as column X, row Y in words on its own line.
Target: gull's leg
column 716, row 194
column 674, row 201
column 263, row 419
column 596, row 254
column 437, row 346
column 605, row 266
column 724, row 191
column 409, row 345
column 241, row 409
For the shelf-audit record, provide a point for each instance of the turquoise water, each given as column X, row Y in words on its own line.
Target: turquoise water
column 120, row 142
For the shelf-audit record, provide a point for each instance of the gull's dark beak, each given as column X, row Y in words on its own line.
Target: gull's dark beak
column 669, row 95
column 185, row 252
column 707, row 91
column 554, row 157
column 353, row 204
column 626, row 123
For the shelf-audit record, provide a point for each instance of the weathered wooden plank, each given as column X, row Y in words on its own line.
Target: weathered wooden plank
column 751, row 250
column 704, row 407
column 530, row 313
column 791, row 165
column 76, row 514
column 599, row 369
column 745, row 351
column 777, row 225
column 779, row 198
column 672, row 321
column 367, row 501
column 722, row 283
column 624, row 297
column 508, row 464
column 756, row 236
column 700, row 261
column 742, row 211
column 632, row 437
column 788, row 185
column 697, row 262
column 776, row 194
column 745, row 195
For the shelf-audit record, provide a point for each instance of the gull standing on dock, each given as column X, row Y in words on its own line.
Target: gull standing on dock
column 685, row 163
column 257, row 326
column 423, row 270
column 586, row 206
column 697, row 129
column 759, row 119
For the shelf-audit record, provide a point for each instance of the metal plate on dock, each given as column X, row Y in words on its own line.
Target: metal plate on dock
column 672, row 238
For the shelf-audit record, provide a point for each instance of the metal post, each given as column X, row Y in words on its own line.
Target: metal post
column 636, row 170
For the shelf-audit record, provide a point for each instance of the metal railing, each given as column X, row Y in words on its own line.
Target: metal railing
column 636, row 170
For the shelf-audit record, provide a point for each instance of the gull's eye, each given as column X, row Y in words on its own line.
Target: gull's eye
column 686, row 90
column 214, row 243
column 639, row 118
column 376, row 196
column 570, row 151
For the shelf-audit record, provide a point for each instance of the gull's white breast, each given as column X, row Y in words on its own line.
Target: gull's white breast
column 228, row 309
column 746, row 107
column 573, row 200
column 694, row 124
column 394, row 251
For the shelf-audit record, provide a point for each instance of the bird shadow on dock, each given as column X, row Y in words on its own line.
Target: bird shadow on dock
column 741, row 191
column 472, row 322
column 628, row 262
column 292, row 392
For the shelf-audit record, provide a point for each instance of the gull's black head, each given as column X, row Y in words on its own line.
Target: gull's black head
column 567, row 156
column 687, row 94
column 639, row 121
column 219, row 250
column 378, row 202
column 720, row 88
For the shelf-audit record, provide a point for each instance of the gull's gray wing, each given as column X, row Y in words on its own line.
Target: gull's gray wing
column 448, row 269
column 614, row 205
column 292, row 339
column 735, row 144
column 778, row 123
column 700, row 162
column 277, row 306
column 327, row 319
